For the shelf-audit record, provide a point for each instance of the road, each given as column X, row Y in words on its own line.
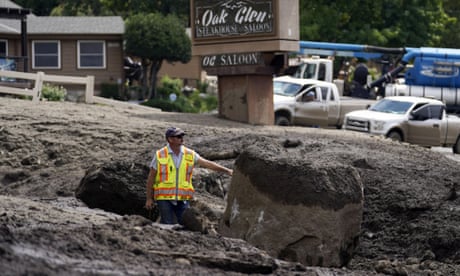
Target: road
column 447, row 152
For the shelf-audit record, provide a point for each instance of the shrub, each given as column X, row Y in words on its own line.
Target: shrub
column 110, row 90
column 192, row 102
column 167, row 105
column 169, row 86
column 53, row 93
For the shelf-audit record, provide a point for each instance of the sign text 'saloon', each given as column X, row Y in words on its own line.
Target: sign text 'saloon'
column 231, row 59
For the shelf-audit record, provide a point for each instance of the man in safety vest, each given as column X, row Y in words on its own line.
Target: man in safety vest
column 170, row 179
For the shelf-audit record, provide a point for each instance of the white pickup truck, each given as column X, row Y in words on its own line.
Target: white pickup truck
column 309, row 102
column 415, row 120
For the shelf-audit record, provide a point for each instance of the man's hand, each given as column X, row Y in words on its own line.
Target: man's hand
column 149, row 189
column 149, row 204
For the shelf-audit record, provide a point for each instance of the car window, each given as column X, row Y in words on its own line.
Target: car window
column 391, row 106
column 286, row 88
column 323, row 91
column 322, row 72
column 309, row 95
column 428, row 112
column 436, row 112
column 306, row 71
column 421, row 114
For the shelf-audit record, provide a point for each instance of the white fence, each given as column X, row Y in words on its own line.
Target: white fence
column 41, row 77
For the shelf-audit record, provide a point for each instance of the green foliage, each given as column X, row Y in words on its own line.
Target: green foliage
column 451, row 37
column 203, row 102
column 40, row 8
column 153, row 38
column 80, row 8
column 169, row 86
column 134, row 92
column 202, row 86
column 123, row 8
column 391, row 23
column 53, row 92
column 196, row 102
column 111, row 91
column 157, row 37
column 126, row 8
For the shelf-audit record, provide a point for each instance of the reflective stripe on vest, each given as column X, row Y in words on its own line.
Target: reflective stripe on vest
column 163, row 168
column 170, row 186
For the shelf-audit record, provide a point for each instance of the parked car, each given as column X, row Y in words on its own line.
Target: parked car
column 415, row 120
column 309, row 102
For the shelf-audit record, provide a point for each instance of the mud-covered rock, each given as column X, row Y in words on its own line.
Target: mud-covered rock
column 295, row 208
column 117, row 187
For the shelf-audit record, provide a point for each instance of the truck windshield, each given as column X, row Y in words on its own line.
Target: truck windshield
column 391, row 106
column 286, row 88
column 306, row 71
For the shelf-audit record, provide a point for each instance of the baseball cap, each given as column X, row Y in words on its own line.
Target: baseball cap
column 174, row 131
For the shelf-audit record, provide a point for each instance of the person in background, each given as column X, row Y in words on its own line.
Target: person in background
column 309, row 96
column 169, row 183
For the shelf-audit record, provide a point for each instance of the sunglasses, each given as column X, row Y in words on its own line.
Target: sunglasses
column 179, row 136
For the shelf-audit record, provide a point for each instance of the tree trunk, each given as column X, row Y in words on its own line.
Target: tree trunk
column 155, row 67
column 145, row 66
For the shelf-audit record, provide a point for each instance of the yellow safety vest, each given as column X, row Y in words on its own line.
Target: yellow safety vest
column 173, row 183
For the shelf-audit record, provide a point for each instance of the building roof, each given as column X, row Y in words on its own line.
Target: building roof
column 65, row 25
column 9, row 4
column 61, row 25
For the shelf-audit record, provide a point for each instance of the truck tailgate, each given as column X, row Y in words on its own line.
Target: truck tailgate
column 348, row 104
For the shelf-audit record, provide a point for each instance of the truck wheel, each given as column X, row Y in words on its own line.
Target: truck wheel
column 395, row 136
column 282, row 121
column 456, row 147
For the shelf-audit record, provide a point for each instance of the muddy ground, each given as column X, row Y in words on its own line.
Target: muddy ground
column 411, row 223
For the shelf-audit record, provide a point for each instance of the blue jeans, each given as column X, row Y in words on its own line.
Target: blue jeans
column 171, row 211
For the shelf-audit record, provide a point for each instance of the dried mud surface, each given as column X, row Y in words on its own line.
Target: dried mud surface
column 411, row 223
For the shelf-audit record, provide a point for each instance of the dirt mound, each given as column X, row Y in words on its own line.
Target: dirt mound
column 411, row 222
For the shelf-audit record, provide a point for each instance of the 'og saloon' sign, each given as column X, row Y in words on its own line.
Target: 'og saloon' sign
column 235, row 59
column 226, row 18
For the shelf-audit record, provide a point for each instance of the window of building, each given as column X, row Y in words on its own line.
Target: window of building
column 46, row 54
column 91, row 54
column 3, row 48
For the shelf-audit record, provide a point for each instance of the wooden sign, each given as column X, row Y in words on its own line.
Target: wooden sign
column 236, row 59
column 223, row 19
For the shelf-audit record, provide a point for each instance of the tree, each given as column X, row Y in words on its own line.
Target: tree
column 40, row 8
column 451, row 37
column 126, row 8
column 79, row 8
column 154, row 38
column 391, row 23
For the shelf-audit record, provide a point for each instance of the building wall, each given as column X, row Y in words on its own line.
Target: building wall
column 189, row 72
column 113, row 73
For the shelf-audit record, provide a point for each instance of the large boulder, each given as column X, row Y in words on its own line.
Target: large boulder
column 295, row 208
column 117, row 187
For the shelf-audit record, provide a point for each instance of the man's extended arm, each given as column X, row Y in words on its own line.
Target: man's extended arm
column 214, row 166
column 149, row 189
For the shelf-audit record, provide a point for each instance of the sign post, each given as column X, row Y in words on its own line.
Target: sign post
column 244, row 43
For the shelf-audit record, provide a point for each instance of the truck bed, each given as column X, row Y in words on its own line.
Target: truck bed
column 348, row 104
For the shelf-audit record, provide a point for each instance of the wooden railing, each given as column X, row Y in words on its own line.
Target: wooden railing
column 41, row 77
